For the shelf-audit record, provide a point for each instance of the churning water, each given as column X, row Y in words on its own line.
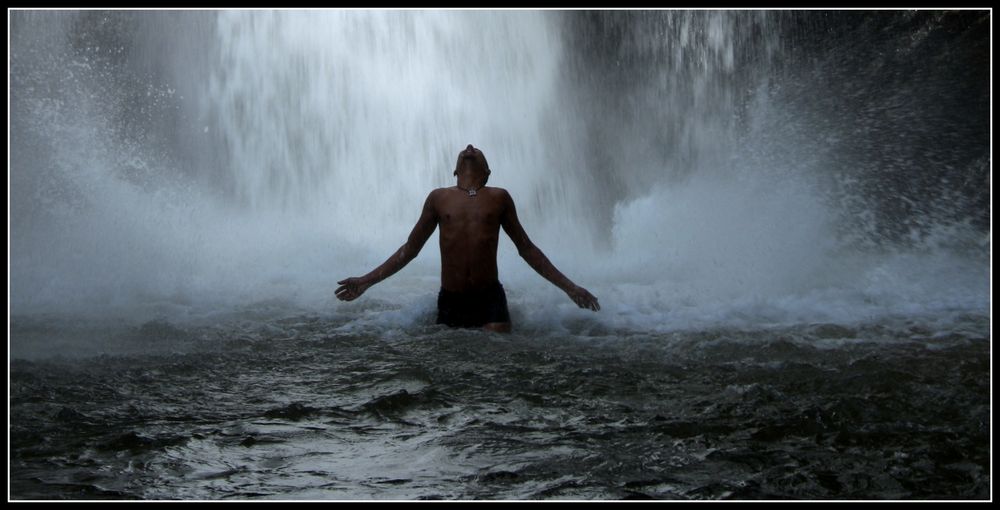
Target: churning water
column 785, row 216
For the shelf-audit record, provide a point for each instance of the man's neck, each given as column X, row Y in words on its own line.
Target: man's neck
column 473, row 183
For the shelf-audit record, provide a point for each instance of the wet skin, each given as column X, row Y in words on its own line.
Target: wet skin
column 470, row 230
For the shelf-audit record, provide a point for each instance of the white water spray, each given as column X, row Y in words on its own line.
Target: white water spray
column 314, row 138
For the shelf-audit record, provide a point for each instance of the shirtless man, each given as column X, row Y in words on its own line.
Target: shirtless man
column 470, row 216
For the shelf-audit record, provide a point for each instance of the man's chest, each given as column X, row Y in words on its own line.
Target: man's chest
column 471, row 212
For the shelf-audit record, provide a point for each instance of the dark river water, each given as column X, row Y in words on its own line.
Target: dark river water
column 296, row 408
column 786, row 216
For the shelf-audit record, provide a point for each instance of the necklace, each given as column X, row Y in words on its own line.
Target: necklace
column 470, row 191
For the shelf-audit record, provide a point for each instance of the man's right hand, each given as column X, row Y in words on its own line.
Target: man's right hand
column 351, row 288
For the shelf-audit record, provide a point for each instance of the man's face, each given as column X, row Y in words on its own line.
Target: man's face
column 471, row 164
column 471, row 160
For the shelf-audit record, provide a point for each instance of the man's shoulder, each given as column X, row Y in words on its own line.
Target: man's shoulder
column 438, row 192
column 500, row 192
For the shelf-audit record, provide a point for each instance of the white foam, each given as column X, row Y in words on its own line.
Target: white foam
column 336, row 126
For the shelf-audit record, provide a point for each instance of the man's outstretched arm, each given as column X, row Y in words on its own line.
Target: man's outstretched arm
column 351, row 288
column 539, row 262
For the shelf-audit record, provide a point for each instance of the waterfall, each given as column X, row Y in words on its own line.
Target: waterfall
column 689, row 167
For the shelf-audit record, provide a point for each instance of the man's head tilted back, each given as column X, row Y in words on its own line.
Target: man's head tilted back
column 474, row 159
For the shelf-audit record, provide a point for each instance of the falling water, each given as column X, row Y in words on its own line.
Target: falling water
column 185, row 182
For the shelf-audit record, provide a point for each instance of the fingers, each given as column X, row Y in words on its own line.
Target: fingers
column 347, row 292
column 343, row 294
column 589, row 301
column 586, row 300
column 349, row 289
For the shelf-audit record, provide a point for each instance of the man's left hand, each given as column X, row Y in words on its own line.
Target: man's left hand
column 583, row 298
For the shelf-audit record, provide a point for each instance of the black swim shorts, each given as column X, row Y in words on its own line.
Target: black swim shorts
column 473, row 309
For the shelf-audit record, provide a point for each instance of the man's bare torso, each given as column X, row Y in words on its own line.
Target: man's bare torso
column 470, row 230
column 469, row 234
